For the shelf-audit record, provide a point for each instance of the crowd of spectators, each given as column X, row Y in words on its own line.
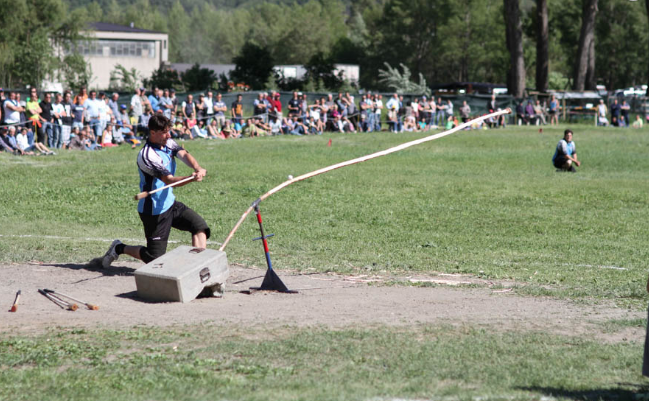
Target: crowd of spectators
column 43, row 123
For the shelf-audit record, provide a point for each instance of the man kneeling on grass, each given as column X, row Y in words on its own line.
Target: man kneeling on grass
column 565, row 157
column 160, row 211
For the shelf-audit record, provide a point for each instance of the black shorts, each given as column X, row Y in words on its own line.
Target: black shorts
column 559, row 162
column 158, row 227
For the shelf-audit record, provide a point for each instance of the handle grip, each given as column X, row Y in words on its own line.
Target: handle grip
column 141, row 195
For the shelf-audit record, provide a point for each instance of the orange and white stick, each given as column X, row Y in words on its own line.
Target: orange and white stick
column 60, row 294
column 14, row 307
column 355, row 161
column 144, row 194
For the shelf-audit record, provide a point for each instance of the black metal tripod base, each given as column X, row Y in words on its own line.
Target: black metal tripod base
column 272, row 282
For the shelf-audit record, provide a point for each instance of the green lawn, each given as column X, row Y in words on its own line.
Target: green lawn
column 487, row 203
column 217, row 363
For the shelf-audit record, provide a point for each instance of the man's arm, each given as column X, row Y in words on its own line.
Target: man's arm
column 189, row 160
column 10, row 106
column 574, row 159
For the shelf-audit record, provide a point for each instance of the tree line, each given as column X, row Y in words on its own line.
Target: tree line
column 541, row 44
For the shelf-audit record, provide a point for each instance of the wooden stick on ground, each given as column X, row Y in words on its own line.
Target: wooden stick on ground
column 355, row 161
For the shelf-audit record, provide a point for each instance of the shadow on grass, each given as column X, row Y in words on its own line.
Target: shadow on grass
column 95, row 266
column 626, row 391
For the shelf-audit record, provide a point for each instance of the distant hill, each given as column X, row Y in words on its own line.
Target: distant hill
column 165, row 5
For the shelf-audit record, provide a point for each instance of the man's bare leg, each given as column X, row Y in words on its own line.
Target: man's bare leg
column 133, row 251
column 199, row 240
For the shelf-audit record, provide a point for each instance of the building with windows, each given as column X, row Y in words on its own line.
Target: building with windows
column 112, row 44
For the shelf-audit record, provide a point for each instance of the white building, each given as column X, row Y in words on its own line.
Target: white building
column 350, row 72
column 112, row 44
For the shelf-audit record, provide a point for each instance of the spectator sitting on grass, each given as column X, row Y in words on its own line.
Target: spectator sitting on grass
column 81, row 141
column 107, row 136
column 213, row 130
column 228, row 130
column 25, row 140
column 295, row 127
column 638, row 122
column 16, row 145
column 252, row 129
column 276, row 126
column 410, row 124
column 565, row 156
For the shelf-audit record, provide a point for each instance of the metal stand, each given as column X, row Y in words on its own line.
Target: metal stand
column 271, row 282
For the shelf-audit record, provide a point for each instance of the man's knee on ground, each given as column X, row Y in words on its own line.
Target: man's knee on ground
column 147, row 255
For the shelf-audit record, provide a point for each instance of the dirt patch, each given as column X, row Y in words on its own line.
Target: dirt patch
column 327, row 300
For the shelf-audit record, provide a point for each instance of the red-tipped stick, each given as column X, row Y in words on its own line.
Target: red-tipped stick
column 14, row 307
column 59, row 302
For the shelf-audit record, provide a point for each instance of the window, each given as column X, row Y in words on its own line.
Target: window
column 116, row 48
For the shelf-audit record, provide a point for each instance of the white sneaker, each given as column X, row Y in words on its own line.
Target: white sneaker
column 110, row 255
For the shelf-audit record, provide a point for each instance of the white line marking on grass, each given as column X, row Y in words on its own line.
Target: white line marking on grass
column 599, row 266
column 90, row 239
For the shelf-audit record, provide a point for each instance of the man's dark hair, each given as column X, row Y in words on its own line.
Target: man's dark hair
column 566, row 132
column 159, row 122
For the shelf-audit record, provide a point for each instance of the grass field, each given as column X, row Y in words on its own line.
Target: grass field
column 486, row 203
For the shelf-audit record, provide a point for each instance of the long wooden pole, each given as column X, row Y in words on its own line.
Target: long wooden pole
column 355, row 161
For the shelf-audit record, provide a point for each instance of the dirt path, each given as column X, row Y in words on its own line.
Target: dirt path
column 324, row 299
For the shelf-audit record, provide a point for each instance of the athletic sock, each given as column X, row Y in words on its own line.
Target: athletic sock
column 119, row 249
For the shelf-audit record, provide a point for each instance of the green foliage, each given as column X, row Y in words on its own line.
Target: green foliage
column 321, row 68
column 621, row 43
column 442, row 39
column 33, row 38
column 121, row 79
column 76, row 71
column 254, row 66
column 164, row 78
column 197, row 78
column 400, row 82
